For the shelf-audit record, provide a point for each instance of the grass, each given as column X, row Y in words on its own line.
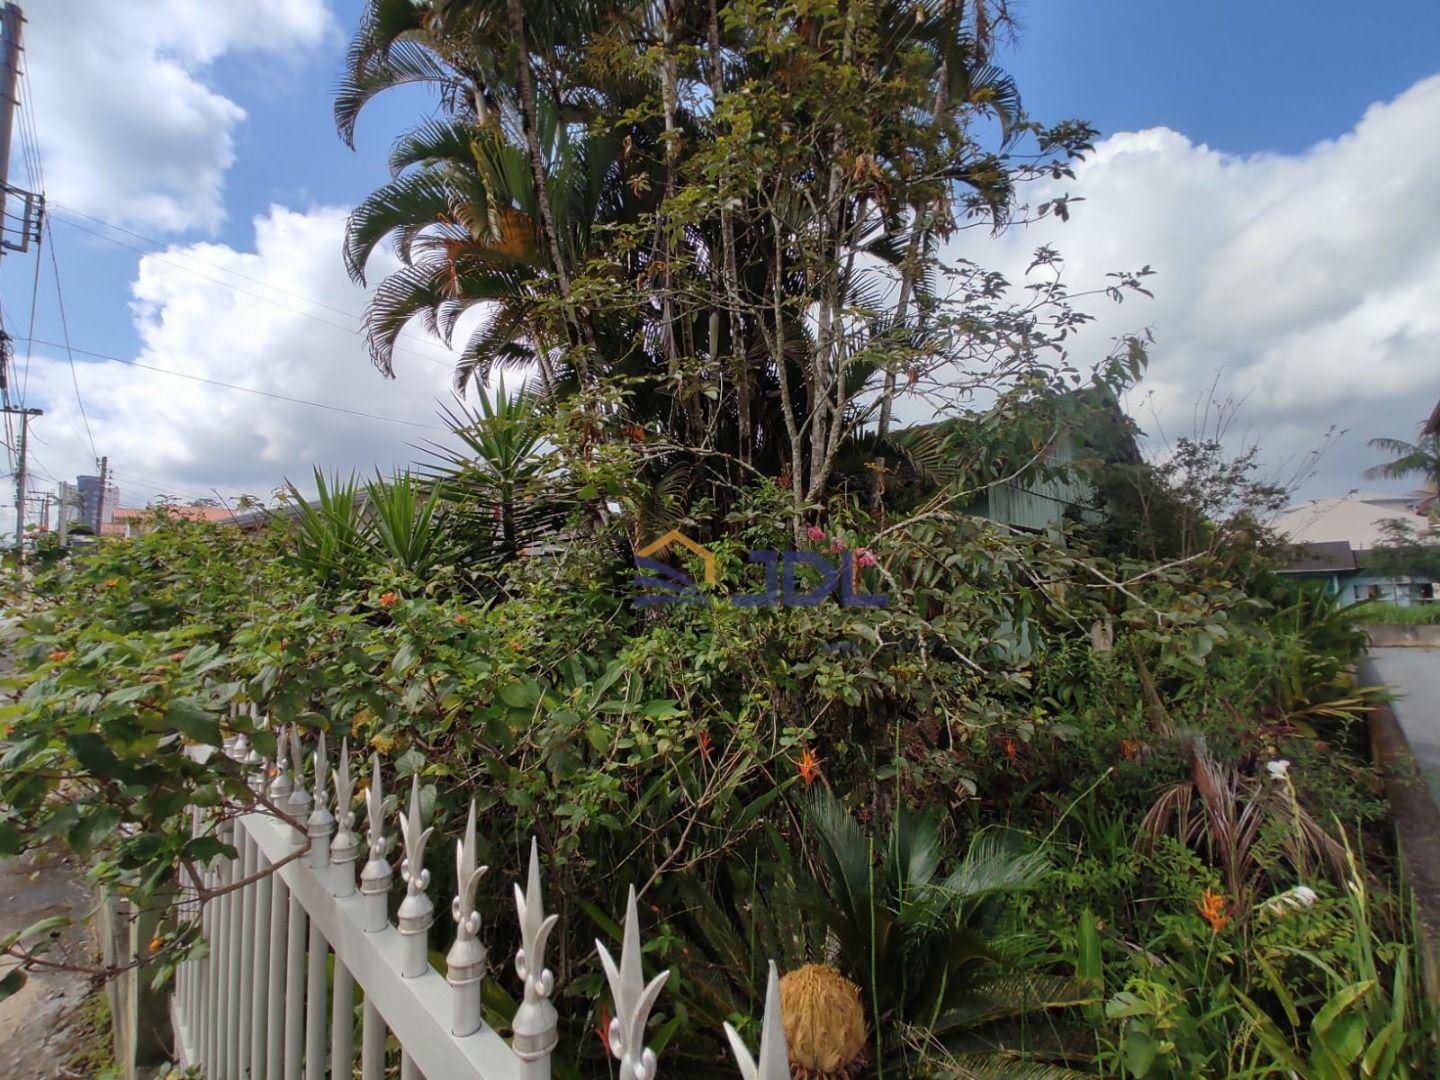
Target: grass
column 1378, row 612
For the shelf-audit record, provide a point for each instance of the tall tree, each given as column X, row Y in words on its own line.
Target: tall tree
column 731, row 216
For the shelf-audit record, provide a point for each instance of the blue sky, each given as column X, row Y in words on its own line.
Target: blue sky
column 1221, row 121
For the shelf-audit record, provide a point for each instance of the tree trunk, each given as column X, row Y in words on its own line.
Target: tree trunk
column 530, row 122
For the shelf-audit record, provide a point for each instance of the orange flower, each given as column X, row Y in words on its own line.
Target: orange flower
column 461, row 620
column 59, row 655
column 387, row 599
column 110, row 582
column 809, row 766
column 704, row 740
column 1212, row 908
column 155, row 944
column 602, row 1029
column 1007, row 744
column 1130, row 748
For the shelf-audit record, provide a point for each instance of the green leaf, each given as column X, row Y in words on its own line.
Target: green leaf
column 11, row 983
column 192, row 721
column 521, row 695
column 93, row 828
column 95, row 755
column 1140, row 1052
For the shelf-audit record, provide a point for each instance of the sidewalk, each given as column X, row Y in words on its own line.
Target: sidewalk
column 1414, row 675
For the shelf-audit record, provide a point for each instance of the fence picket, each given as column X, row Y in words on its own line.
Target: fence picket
column 262, row 1002
column 342, row 1021
column 372, row 1043
column 315, row 1005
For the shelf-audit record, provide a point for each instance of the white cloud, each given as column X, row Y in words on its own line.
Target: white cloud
column 129, row 127
column 187, row 437
column 1310, row 279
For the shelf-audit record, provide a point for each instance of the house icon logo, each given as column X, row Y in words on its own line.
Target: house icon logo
column 661, row 583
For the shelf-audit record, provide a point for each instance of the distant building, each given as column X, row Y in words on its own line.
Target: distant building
column 69, row 499
column 132, row 521
column 93, row 511
column 1333, row 541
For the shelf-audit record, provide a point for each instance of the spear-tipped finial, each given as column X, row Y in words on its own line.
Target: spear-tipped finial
column 465, row 962
column 298, row 804
column 774, row 1055
column 375, row 876
column 416, row 911
column 321, row 823
column 280, row 786
column 633, row 999
column 322, row 771
column 345, row 847
column 536, row 1024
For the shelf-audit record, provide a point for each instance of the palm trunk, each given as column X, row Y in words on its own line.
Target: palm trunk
column 530, row 123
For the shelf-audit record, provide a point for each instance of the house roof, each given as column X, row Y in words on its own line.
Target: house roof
column 1351, row 519
column 1432, row 426
column 1323, row 557
column 189, row 513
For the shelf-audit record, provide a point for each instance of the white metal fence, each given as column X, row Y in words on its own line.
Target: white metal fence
column 264, row 1002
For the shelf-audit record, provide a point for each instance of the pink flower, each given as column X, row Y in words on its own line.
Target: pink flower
column 836, row 546
column 815, row 533
column 865, row 557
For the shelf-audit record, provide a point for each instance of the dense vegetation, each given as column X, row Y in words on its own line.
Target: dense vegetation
column 1087, row 800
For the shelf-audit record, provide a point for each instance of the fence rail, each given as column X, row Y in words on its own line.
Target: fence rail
column 264, row 1001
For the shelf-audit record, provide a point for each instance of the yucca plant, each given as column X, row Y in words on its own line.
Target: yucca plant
column 402, row 526
column 329, row 536
column 499, row 484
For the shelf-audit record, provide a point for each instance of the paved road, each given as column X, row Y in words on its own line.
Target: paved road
column 39, row 1026
column 1414, row 674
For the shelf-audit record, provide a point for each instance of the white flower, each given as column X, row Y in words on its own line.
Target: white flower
column 1301, row 896
column 1279, row 768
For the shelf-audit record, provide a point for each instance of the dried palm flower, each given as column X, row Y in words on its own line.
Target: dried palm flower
column 824, row 1022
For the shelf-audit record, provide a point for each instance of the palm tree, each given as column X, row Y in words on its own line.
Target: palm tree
column 922, row 942
column 1420, row 458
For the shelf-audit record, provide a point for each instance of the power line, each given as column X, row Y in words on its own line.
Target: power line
column 189, row 257
column 65, row 330
column 356, row 330
column 242, row 389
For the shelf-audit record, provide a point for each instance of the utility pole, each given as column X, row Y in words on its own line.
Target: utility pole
column 63, row 525
column 11, row 20
column 24, row 415
column 100, row 499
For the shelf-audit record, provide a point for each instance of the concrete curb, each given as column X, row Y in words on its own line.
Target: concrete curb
column 1417, row 824
column 1394, row 636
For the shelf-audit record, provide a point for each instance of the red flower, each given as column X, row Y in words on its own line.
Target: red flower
column 704, row 740
column 387, row 599
column 59, row 655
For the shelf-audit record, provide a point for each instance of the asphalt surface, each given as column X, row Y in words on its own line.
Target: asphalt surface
column 1413, row 674
column 40, row 1025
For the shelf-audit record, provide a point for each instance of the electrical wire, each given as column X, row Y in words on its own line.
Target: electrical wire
column 358, row 331
column 65, row 331
column 243, row 389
